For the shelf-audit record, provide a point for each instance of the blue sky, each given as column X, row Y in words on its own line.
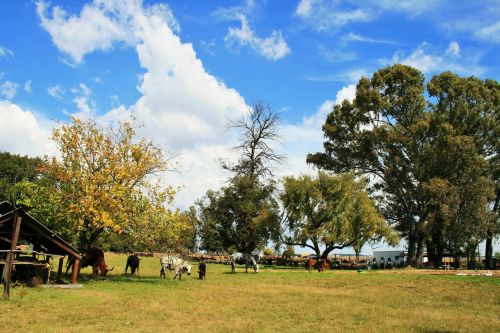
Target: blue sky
column 184, row 69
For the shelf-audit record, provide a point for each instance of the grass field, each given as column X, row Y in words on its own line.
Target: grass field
column 274, row 300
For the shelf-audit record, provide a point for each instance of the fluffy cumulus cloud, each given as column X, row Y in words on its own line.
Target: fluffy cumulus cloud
column 99, row 26
column 22, row 132
column 273, row 47
column 8, row 89
column 183, row 109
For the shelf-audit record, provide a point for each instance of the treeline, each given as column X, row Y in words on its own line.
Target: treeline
column 405, row 160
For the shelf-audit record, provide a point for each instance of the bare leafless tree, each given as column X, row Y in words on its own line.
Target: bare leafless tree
column 259, row 129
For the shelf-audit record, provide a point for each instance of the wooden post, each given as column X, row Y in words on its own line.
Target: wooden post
column 7, row 271
column 60, row 268
column 74, row 272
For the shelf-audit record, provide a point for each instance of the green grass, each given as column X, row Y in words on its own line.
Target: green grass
column 274, row 300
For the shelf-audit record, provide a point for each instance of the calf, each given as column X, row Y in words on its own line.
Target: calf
column 202, row 269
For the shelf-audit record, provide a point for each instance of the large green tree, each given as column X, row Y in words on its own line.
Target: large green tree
column 391, row 132
column 330, row 212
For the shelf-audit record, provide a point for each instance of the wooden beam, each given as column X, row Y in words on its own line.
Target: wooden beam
column 7, row 271
column 60, row 268
column 74, row 272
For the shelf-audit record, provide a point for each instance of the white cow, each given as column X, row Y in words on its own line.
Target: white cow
column 176, row 264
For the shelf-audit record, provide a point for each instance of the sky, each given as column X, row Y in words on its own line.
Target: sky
column 185, row 69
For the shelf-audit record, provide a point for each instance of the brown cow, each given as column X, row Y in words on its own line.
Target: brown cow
column 310, row 263
column 95, row 258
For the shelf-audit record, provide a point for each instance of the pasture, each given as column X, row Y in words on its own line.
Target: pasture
column 274, row 300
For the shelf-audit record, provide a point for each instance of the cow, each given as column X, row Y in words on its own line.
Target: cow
column 202, row 269
column 176, row 264
column 133, row 262
column 310, row 263
column 250, row 262
column 93, row 257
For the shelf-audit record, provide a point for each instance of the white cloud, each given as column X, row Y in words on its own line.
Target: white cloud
column 183, row 109
column 410, row 7
column 336, row 56
column 24, row 132
column 429, row 62
column 56, row 91
column 307, row 136
column 84, row 103
column 6, row 53
column 8, row 89
column 231, row 13
column 329, row 15
column 453, row 49
column 490, row 32
column 273, row 47
column 352, row 37
column 100, row 25
column 351, row 75
column 27, row 87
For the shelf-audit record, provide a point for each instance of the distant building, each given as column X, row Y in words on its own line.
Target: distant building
column 389, row 258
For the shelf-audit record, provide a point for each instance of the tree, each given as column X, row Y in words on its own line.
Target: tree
column 15, row 169
column 330, row 212
column 107, row 181
column 389, row 129
column 243, row 215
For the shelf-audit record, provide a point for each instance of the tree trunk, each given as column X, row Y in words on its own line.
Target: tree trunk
column 412, row 240
column 488, row 252
column 431, row 252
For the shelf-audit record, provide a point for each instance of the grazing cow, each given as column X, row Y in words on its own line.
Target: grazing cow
column 133, row 262
column 310, row 263
column 95, row 258
column 176, row 264
column 202, row 269
column 250, row 262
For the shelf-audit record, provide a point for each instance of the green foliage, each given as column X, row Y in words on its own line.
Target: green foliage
column 421, row 154
column 243, row 216
column 330, row 212
column 15, row 169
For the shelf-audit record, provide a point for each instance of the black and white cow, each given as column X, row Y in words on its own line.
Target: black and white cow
column 172, row 263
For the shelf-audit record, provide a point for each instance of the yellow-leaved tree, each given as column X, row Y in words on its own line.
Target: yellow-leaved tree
column 107, row 180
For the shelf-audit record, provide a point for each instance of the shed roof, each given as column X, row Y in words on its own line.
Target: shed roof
column 31, row 230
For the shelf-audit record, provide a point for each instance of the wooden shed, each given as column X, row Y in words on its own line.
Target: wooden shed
column 40, row 245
